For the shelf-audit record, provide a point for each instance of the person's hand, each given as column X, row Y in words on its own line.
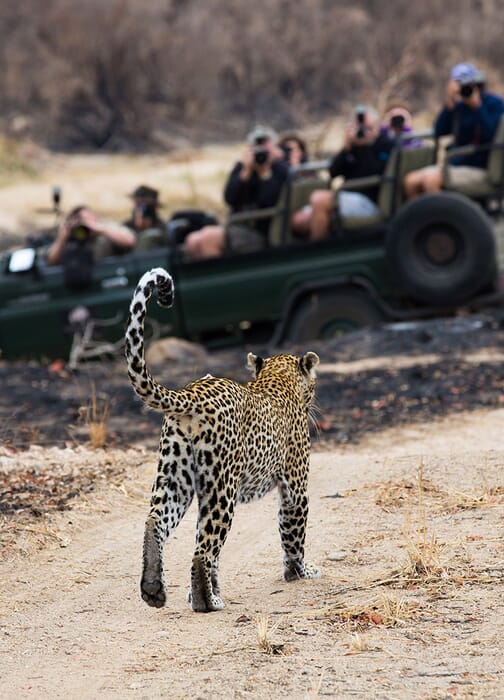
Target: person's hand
column 452, row 93
column 247, row 163
column 349, row 137
column 276, row 153
column 474, row 99
column 88, row 218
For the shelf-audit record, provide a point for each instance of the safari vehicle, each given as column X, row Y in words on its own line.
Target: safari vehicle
column 423, row 258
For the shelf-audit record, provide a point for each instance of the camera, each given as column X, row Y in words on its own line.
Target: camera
column 148, row 211
column 397, row 122
column 361, row 130
column 467, row 89
column 260, row 155
column 80, row 233
column 260, row 152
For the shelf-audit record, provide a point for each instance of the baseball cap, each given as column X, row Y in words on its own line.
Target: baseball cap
column 463, row 72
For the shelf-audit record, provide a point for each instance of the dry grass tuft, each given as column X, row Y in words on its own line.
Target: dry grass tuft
column 383, row 610
column 429, row 562
column 95, row 416
column 394, row 494
column 424, row 550
column 490, row 496
column 360, row 644
column 263, row 638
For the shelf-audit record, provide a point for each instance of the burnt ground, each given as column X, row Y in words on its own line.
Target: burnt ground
column 385, row 377
column 50, row 405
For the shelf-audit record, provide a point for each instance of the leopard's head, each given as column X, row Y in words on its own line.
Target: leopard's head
column 301, row 369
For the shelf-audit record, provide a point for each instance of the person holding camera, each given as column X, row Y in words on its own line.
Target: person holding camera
column 255, row 182
column 365, row 152
column 145, row 217
column 398, row 124
column 294, row 149
column 83, row 226
column 471, row 115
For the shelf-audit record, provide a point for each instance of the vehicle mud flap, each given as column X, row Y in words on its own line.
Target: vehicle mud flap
column 331, row 312
column 77, row 261
column 441, row 249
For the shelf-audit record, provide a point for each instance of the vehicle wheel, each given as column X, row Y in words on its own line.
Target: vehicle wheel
column 330, row 313
column 441, row 248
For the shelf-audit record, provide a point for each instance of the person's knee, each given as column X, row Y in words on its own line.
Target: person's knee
column 414, row 183
column 192, row 242
column 321, row 200
column 300, row 222
column 206, row 242
column 433, row 181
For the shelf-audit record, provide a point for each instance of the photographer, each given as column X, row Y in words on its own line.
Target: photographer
column 254, row 183
column 82, row 226
column 471, row 115
column 294, row 149
column 365, row 152
column 398, row 124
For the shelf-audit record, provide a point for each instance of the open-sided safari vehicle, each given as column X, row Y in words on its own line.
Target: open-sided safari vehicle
column 418, row 259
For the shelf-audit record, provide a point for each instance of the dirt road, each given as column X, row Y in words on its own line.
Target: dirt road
column 72, row 624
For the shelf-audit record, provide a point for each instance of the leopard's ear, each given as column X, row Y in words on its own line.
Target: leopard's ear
column 254, row 363
column 308, row 363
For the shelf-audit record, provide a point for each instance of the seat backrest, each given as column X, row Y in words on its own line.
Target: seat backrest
column 295, row 195
column 151, row 238
column 386, row 194
column 495, row 166
column 400, row 162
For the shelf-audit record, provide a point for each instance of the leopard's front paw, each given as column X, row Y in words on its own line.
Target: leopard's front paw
column 153, row 592
column 311, row 571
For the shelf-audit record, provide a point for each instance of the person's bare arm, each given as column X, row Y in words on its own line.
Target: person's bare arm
column 118, row 234
column 56, row 249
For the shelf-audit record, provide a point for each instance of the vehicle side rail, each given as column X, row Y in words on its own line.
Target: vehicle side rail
column 470, row 149
column 253, row 214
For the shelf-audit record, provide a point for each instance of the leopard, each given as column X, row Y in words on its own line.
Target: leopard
column 227, row 443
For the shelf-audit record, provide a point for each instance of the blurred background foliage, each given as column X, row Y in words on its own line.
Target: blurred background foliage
column 135, row 75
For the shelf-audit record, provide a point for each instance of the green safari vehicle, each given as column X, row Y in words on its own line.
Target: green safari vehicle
column 424, row 258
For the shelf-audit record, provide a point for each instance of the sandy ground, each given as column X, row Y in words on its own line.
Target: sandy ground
column 185, row 177
column 72, row 624
column 406, row 527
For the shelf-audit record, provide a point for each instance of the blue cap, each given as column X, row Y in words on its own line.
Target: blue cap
column 463, row 72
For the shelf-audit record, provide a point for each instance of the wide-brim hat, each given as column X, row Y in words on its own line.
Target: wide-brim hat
column 147, row 194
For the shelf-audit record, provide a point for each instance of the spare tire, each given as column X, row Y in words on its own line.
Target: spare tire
column 441, row 249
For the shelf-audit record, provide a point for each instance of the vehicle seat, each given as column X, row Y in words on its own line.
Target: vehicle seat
column 484, row 182
column 390, row 197
column 385, row 196
column 151, row 238
column 294, row 196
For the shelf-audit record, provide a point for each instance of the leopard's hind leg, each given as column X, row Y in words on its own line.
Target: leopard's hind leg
column 216, row 508
column 292, row 520
column 172, row 494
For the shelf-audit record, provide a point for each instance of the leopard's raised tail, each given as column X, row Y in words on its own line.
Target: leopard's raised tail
column 146, row 387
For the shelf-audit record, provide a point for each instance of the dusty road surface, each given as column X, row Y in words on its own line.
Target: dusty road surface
column 406, row 527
